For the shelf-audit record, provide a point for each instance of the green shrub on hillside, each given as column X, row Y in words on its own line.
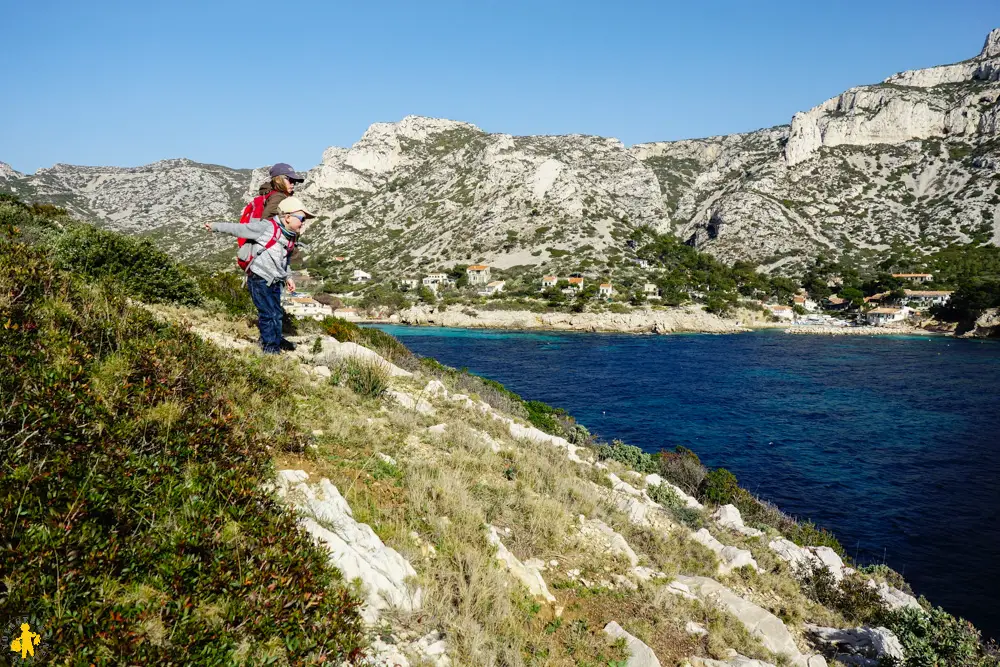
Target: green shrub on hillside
column 132, row 456
column 135, row 265
column 366, row 377
column 935, row 637
column 683, row 468
column 720, row 487
column 385, row 344
column 629, row 455
column 227, row 289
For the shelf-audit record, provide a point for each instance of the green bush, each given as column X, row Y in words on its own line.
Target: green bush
column 628, row 455
column 366, row 377
column 935, row 637
column 227, row 289
column 720, row 487
column 340, row 329
column 853, row 597
column 136, row 266
column 683, row 468
column 385, row 344
column 135, row 525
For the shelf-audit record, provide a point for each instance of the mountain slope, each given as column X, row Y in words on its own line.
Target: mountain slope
column 911, row 161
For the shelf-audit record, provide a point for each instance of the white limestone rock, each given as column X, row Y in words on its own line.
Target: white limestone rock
column 640, row 655
column 695, row 629
column 728, row 516
column 735, row 661
column 354, row 547
column 759, row 622
column 411, row 402
column 730, row 558
column 691, row 502
column 863, row 645
column 895, row 598
column 531, row 577
column 603, row 538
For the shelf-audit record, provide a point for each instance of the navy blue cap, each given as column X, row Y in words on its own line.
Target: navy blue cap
column 283, row 169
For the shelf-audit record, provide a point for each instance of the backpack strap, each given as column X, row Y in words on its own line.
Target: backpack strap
column 267, row 246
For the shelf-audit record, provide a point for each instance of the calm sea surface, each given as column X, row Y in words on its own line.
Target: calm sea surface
column 891, row 443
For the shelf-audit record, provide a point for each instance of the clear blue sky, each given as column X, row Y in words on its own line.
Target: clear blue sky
column 246, row 83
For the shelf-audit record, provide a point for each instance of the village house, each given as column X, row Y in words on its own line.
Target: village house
column 805, row 302
column 478, row 274
column 409, row 283
column 340, row 259
column 350, row 313
column 605, row 290
column 926, row 298
column 781, row 312
column 882, row 316
column 876, row 298
column 549, row 281
column 494, row 287
column 433, row 280
column 651, row 291
column 360, row 276
column 576, row 283
column 306, row 307
column 915, row 277
column 836, row 303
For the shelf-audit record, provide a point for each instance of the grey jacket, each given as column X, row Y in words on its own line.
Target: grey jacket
column 271, row 264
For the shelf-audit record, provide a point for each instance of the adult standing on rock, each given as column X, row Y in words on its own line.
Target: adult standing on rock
column 273, row 240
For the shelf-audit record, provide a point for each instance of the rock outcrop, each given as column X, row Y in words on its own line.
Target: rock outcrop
column 640, row 655
column 867, row 647
column 529, row 575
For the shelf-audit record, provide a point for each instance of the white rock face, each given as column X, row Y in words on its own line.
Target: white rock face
column 895, row 598
column 691, row 502
column 603, row 538
column 8, row 173
column 759, row 622
column 640, row 655
column 354, row 547
column 530, row 576
column 863, row 646
column 736, row 661
column 411, row 402
column 728, row 516
column 730, row 558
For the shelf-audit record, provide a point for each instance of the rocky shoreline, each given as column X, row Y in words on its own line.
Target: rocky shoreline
column 688, row 319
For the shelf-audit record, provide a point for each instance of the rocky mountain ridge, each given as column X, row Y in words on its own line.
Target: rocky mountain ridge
column 911, row 161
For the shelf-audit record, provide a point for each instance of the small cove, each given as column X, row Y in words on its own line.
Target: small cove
column 893, row 443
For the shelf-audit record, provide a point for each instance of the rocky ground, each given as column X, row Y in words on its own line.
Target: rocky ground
column 475, row 538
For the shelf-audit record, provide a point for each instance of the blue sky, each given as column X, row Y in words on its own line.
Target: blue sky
column 240, row 84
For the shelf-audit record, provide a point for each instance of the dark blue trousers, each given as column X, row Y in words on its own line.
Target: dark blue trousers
column 267, row 298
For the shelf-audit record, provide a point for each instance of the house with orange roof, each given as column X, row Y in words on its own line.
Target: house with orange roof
column 478, row 274
column 780, row 311
column 925, row 298
column 605, row 290
column 915, row 277
column 880, row 317
column 549, row 281
column 576, row 283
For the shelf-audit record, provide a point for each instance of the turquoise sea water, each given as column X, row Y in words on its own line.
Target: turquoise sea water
column 892, row 443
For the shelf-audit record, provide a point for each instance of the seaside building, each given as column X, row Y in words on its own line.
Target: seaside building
column 836, row 303
column 478, row 274
column 880, row 317
column 409, row 283
column 781, row 312
column 347, row 313
column 915, row 277
column 651, row 291
column 359, row 277
column 549, row 281
column 433, row 280
column 576, row 283
column 804, row 301
column 307, row 307
column 925, row 298
column 494, row 287
column 605, row 290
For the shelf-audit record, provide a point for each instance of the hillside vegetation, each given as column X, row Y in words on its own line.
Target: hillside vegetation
column 141, row 523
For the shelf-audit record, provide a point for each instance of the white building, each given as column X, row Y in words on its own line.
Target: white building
column 804, row 301
column 549, row 281
column 915, row 277
column 307, row 307
column 409, row 283
column 880, row 317
column 478, row 274
column 781, row 312
column 576, row 283
column 605, row 290
column 925, row 298
column 494, row 287
column 651, row 291
column 347, row 313
column 360, row 276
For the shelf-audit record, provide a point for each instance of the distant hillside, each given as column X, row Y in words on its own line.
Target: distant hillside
column 909, row 162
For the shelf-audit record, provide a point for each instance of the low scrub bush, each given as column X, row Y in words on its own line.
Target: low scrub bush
column 134, row 265
column 935, row 637
column 132, row 456
column 720, row 487
column 366, row 377
column 628, row 455
column 340, row 329
column 683, row 468
column 228, row 291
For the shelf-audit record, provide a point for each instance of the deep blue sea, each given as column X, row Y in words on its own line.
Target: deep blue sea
column 893, row 443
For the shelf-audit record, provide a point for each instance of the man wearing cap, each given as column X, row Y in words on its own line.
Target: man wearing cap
column 270, row 245
column 282, row 183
